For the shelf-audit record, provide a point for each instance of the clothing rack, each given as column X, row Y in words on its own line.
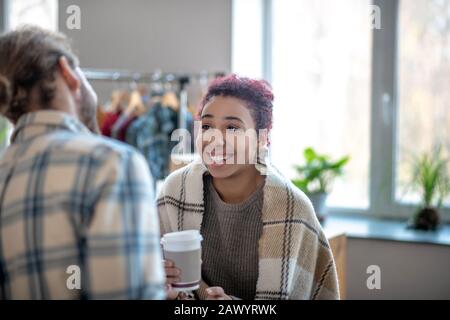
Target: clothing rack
column 129, row 76
column 182, row 79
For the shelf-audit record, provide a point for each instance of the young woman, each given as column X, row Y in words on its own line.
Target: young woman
column 262, row 239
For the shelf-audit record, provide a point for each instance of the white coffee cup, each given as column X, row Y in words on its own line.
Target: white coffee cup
column 184, row 249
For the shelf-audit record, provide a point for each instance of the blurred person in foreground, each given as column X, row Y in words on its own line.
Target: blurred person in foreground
column 72, row 203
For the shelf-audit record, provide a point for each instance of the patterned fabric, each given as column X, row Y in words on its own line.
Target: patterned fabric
column 151, row 135
column 70, row 199
column 295, row 259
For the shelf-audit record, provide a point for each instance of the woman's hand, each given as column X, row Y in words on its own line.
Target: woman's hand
column 216, row 293
column 172, row 276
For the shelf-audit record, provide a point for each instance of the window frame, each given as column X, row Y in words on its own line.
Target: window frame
column 384, row 110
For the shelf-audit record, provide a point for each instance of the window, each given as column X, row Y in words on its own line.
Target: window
column 247, row 43
column 347, row 88
column 424, row 85
column 43, row 13
column 321, row 77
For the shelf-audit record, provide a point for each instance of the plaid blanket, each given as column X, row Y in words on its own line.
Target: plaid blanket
column 295, row 259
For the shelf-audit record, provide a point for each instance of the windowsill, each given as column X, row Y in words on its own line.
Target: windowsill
column 382, row 229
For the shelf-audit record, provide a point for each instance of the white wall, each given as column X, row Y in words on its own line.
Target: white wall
column 408, row 270
column 145, row 35
column 175, row 35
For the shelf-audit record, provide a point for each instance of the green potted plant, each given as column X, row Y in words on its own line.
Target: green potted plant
column 4, row 127
column 316, row 176
column 432, row 181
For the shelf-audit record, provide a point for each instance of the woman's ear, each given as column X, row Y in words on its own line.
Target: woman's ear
column 263, row 138
column 68, row 74
column 263, row 151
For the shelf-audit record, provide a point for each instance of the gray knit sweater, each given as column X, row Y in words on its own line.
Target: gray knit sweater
column 230, row 247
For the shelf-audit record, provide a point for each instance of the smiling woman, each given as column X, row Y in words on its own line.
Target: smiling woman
column 235, row 108
column 261, row 237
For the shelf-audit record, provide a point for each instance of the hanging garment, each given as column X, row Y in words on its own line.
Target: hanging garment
column 119, row 128
column 108, row 122
column 151, row 135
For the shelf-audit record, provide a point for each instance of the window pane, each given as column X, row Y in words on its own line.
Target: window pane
column 424, row 85
column 247, row 38
column 43, row 13
column 321, row 80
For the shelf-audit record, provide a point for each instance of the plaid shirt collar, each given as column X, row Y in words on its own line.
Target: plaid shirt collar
column 36, row 123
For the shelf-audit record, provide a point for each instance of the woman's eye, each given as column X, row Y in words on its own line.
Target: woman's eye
column 205, row 127
column 232, row 128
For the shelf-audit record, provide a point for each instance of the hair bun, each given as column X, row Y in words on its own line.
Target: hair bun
column 5, row 93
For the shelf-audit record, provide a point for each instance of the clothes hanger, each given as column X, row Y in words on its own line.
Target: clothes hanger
column 145, row 105
column 135, row 105
column 170, row 98
column 116, row 97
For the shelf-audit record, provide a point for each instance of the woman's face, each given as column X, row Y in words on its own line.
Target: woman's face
column 228, row 139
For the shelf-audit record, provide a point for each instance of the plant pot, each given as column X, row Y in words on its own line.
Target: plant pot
column 425, row 219
column 318, row 200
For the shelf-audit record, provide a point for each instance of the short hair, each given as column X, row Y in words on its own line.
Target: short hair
column 257, row 94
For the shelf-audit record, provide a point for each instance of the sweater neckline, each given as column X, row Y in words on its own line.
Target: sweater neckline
column 233, row 207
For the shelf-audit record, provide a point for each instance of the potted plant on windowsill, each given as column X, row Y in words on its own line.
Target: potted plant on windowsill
column 4, row 127
column 431, row 180
column 316, row 176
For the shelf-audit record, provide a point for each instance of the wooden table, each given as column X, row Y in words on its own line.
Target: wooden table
column 338, row 244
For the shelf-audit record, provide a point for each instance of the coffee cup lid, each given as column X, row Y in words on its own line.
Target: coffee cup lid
column 181, row 236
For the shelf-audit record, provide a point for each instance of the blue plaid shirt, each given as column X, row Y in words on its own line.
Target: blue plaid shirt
column 77, row 215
